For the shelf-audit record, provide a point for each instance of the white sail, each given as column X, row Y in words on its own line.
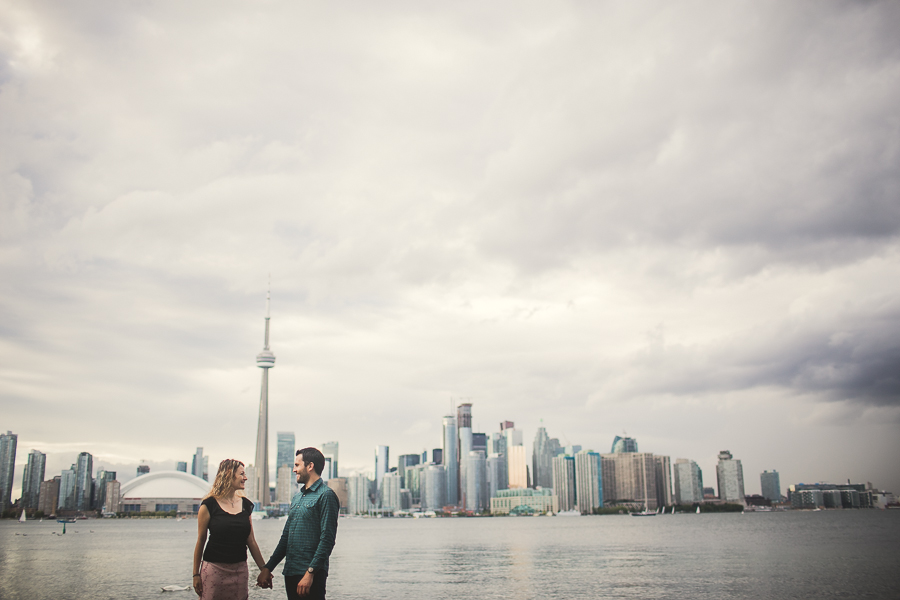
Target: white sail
column 23, row 518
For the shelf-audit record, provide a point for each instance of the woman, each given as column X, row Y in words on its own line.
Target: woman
column 226, row 515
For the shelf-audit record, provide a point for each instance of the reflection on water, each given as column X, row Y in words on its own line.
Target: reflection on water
column 763, row 555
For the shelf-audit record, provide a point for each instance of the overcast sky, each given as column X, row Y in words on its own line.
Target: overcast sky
column 681, row 221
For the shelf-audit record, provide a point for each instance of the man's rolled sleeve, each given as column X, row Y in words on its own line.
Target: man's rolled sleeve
column 330, row 509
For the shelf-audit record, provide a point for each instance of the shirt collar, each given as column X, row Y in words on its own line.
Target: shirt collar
column 314, row 486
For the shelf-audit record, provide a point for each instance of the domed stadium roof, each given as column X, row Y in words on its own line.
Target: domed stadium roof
column 166, row 484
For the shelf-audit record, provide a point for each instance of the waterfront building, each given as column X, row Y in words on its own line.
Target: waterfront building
column 358, row 502
column 181, row 466
column 413, row 481
column 49, row 496
column 516, row 467
column 588, row 482
column 524, row 501
column 405, row 461
column 160, row 491
column 32, row 479
column 624, row 444
column 285, row 448
column 390, row 491
column 382, row 456
column 8, row 442
column 433, row 488
column 113, row 495
column 542, row 459
column 265, row 360
column 829, row 495
column 663, row 480
column 730, row 478
column 464, row 425
column 84, row 482
column 688, row 482
column 770, row 484
column 198, row 464
column 629, row 478
column 340, row 488
column 250, row 490
column 476, row 481
column 284, row 483
column 103, row 477
column 564, row 481
column 67, row 489
column 330, row 450
column 494, row 469
column 451, row 464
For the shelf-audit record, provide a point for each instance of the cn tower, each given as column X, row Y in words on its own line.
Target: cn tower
column 265, row 360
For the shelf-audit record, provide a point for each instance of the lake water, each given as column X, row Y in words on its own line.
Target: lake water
column 828, row 554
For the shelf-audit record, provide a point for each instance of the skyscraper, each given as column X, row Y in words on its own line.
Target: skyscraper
column 265, row 360
column 32, row 479
column 624, row 444
column 494, row 469
column 390, row 491
column 588, row 482
column 542, row 459
column 688, row 482
column 476, row 492
column 630, row 477
column 286, row 449
column 49, row 500
column 330, row 450
column 451, row 464
column 382, row 457
column 564, row 481
column 464, row 423
column 284, row 457
column 197, row 463
column 100, row 487
column 67, row 489
column 358, row 495
column 730, row 478
column 404, row 462
column 84, row 482
column 433, row 487
column 770, row 482
column 663, row 480
column 181, row 466
column 516, row 462
column 8, row 442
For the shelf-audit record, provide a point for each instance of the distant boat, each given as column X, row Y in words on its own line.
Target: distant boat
column 645, row 513
column 176, row 588
column 69, row 520
column 569, row 513
column 698, row 510
column 22, row 517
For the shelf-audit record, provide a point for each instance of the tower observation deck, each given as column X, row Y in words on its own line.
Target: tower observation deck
column 265, row 360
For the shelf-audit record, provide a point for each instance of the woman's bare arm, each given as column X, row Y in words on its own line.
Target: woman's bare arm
column 202, row 528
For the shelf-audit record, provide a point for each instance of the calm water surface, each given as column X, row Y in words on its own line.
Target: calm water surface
column 827, row 554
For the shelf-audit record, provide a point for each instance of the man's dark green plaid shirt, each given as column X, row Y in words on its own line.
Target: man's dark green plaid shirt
column 309, row 533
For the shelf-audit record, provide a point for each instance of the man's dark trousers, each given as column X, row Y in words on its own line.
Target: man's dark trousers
column 316, row 592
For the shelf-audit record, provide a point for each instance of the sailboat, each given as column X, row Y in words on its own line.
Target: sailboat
column 698, row 509
column 22, row 517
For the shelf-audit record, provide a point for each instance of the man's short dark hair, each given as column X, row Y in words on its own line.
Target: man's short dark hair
column 312, row 455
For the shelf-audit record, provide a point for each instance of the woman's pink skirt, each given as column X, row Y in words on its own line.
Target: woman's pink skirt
column 225, row 581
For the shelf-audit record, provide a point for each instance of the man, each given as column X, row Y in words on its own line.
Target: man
column 308, row 536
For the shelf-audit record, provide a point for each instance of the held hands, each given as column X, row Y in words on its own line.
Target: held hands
column 264, row 580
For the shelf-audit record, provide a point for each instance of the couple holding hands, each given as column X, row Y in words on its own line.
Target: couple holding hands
column 220, row 569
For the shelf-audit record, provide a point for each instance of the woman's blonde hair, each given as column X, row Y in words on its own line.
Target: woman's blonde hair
column 228, row 468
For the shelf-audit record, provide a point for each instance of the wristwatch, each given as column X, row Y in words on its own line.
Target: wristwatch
column 311, row 571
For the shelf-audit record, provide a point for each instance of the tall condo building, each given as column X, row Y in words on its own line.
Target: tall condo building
column 265, row 360
column 688, row 482
column 32, row 479
column 564, row 481
column 770, row 482
column 358, row 495
column 494, row 469
column 84, row 481
column 67, row 489
column 433, row 488
column 477, row 499
column 730, row 478
column 330, row 450
column 542, row 459
column 588, row 482
column 390, row 491
column 663, row 480
column 100, row 486
column 284, row 457
column 286, row 448
column 382, row 456
column 464, row 423
column 8, row 442
column 197, row 464
column 113, row 496
column 49, row 500
column 630, row 478
column 404, row 462
column 516, row 461
column 624, row 444
column 451, row 464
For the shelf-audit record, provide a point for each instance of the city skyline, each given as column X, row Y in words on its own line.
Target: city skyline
column 679, row 226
